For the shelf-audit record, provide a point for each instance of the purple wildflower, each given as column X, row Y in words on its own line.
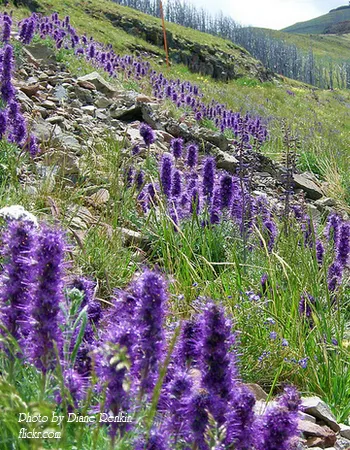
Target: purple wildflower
column 151, row 294
column 3, row 123
column 192, row 156
column 197, row 415
column 216, row 363
column 18, row 276
column 147, row 134
column 166, row 174
column 343, row 244
column 226, row 191
column 176, row 184
column 319, row 252
column 45, row 333
column 208, row 177
column 240, row 419
column 176, row 147
column 188, row 347
column 335, row 273
column 271, row 230
column 332, row 228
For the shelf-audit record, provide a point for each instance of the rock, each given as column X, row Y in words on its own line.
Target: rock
column 261, row 406
column 66, row 162
column 163, row 135
column 326, row 437
column 342, row 444
column 226, row 161
column 84, row 95
column 55, row 119
column 258, row 391
column 67, row 141
column 150, row 116
column 61, row 93
column 133, row 238
column 344, row 431
column 126, row 114
column 89, row 109
column 324, row 202
column 42, row 130
column 30, row 90
column 41, row 53
column 17, row 212
column 103, row 102
column 100, row 84
column 48, row 104
column 214, row 137
column 308, row 186
column 143, row 99
column 308, row 417
column 99, row 198
column 81, row 217
column 86, row 85
column 318, row 408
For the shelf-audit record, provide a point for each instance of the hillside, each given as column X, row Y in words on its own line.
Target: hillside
column 321, row 24
column 174, row 242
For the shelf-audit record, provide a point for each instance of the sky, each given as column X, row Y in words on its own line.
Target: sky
column 274, row 14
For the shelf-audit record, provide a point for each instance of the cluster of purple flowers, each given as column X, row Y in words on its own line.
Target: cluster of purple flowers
column 182, row 94
column 192, row 185
column 129, row 350
column 12, row 123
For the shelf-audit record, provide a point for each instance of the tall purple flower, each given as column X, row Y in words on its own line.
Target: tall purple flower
column 3, row 123
column 7, row 89
column 18, row 277
column 7, row 22
column 271, row 231
column 147, row 134
column 45, row 333
column 332, row 229
column 176, row 184
column 307, row 302
column 319, row 252
column 208, row 177
column 198, row 418
column 226, row 191
column 215, row 207
column 177, row 147
column 192, row 156
column 188, row 351
column 76, row 385
column 240, row 419
column 166, row 174
column 335, row 273
column 343, row 244
column 113, row 359
column 151, row 294
column 217, row 362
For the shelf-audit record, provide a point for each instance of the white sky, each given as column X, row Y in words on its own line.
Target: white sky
column 274, row 14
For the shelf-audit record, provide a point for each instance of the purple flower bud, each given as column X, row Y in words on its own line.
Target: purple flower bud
column 319, row 252
column 226, row 191
column 176, row 184
column 208, row 177
column 343, row 244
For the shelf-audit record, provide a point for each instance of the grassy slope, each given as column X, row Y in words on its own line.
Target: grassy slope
column 322, row 121
column 332, row 46
column 319, row 24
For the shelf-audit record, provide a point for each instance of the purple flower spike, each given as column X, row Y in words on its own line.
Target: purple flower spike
column 176, row 184
column 45, row 333
column 217, row 362
column 343, row 244
column 240, row 419
column 319, row 252
column 147, row 134
column 176, row 147
column 18, row 277
column 166, row 174
column 197, row 414
column 208, row 177
column 192, row 156
column 226, row 191
column 151, row 294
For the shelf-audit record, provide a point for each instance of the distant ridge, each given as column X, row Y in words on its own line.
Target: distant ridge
column 322, row 24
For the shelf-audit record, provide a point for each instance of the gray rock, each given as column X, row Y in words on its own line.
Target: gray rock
column 133, row 238
column 48, row 104
column 344, row 431
column 89, row 109
column 214, row 137
column 101, row 85
column 42, row 130
column 323, row 202
column 66, row 162
column 342, row 444
column 67, row 141
column 55, row 119
column 326, row 437
column 308, row 417
column 84, row 95
column 308, row 186
column 61, row 93
column 318, row 408
column 226, row 161
column 42, row 53
column 103, row 102
column 99, row 198
column 125, row 114
column 150, row 116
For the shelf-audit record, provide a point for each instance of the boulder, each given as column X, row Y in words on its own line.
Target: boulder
column 258, row 391
column 100, row 84
column 318, row 408
column 304, row 183
column 317, row 435
column 344, row 431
